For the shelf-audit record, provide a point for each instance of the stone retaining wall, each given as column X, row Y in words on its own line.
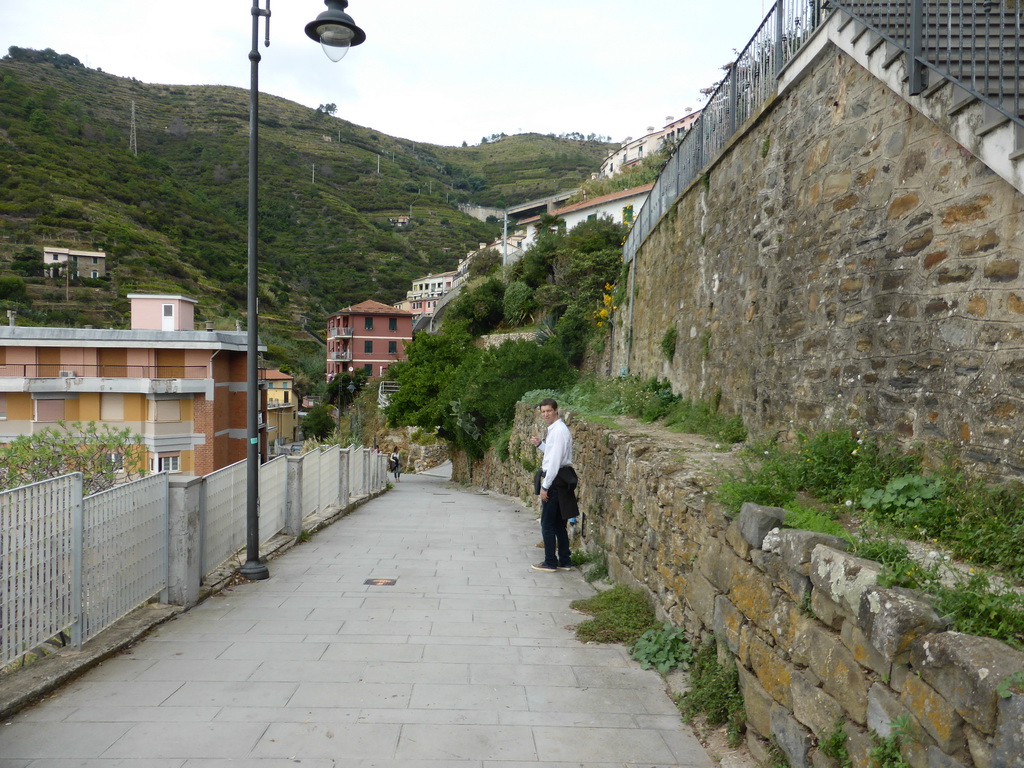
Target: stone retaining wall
column 815, row 638
column 843, row 259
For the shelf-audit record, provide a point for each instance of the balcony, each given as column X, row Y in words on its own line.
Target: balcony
column 345, row 356
column 76, row 371
column 340, row 333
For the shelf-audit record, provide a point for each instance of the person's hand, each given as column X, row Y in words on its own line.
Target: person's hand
column 543, row 494
column 535, row 441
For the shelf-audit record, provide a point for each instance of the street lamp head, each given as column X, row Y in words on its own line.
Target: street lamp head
column 335, row 30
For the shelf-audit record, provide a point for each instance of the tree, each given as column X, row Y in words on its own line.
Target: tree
column 104, row 455
column 318, row 423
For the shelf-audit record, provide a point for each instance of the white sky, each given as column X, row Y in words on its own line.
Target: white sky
column 438, row 71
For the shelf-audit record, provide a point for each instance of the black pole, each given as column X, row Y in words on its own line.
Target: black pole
column 253, row 568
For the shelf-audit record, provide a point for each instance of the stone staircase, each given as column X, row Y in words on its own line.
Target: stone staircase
column 966, row 76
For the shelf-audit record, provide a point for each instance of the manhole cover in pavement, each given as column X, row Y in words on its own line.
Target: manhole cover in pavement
column 381, row 582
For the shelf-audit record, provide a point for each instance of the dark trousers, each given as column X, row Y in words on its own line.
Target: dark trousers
column 553, row 531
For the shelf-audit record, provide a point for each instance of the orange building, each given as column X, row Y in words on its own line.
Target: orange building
column 182, row 391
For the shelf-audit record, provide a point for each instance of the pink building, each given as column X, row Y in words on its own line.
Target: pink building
column 368, row 335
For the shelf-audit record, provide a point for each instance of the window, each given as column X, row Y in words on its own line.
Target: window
column 392, row 347
column 368, row 347
column 168, row 310
column 49, row 410
column 369, row 369
column 392, row 323
column 169, row 464
column 3, row 407
column 286, row 396
column 116, row 461
column 165, row 410
column 111, row 407
column 95, row 273
column 95, row 260
column 369, row 324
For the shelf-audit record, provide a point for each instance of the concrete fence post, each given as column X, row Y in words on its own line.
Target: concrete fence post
column 343, row 480
column 184, row 540
column 293, row 497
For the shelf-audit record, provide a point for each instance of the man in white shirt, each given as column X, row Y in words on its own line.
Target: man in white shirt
column 557, row 489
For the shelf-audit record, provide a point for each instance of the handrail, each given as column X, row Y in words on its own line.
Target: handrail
column 975, row 44
column 944, row 31
column 750, row 83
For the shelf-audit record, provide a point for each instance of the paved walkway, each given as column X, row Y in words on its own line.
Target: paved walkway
column 465, row 662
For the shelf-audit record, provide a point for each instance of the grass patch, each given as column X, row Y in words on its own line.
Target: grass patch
column 601, row 399
column 620, row 615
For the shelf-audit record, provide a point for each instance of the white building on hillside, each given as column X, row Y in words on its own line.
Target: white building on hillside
column 623, row 208
column 634, row 151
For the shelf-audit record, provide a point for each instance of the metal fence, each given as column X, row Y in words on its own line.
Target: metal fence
column 124, row 552
column 76, row 565
column 40, row 564
column 974, row 43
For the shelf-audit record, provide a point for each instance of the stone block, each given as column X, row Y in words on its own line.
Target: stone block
column 980, row 748
column 1008, row 748
column 700, row 594
column 863, row 651
column 858, row 744
column 784, row 624
column 752, row 593
column 774, row 672
column 719, row 564
column 755, row 520
column 884, row 706
column 793, row 583
column 757, row 704
column 814, row 707
column 842, row 577
column 735, row 539
column 936, row 716
column 966, row 670
column 793, row 739
column 727, row 624
column 796, row 547
column 839, row 672
column 939, row 759
column 826, row 610
column 893, row 619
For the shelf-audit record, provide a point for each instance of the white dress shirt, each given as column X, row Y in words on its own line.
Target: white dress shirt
column 557, row 450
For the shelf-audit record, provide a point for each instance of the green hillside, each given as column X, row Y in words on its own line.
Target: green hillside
column 173, row 217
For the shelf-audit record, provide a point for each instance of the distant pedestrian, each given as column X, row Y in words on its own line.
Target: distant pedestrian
column 557, row 490
column 395, row 465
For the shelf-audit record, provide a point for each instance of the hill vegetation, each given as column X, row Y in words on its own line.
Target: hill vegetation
column 172, row 217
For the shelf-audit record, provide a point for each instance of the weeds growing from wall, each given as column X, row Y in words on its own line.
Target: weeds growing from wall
column 668, row 343
column 714, row 693
column 850, row 474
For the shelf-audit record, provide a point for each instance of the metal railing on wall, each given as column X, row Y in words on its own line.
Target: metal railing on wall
column 976, row 44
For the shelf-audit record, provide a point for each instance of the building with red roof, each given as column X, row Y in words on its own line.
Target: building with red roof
column 369, row 336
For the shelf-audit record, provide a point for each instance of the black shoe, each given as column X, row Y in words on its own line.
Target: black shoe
column 544, row 567
column 565, row 567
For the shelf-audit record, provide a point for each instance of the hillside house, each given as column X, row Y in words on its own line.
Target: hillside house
column 369, row 335
column 623, row 208
column 633, row 151
column 82, row 263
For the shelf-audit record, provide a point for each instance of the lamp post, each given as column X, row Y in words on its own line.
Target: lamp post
column 336, row 32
